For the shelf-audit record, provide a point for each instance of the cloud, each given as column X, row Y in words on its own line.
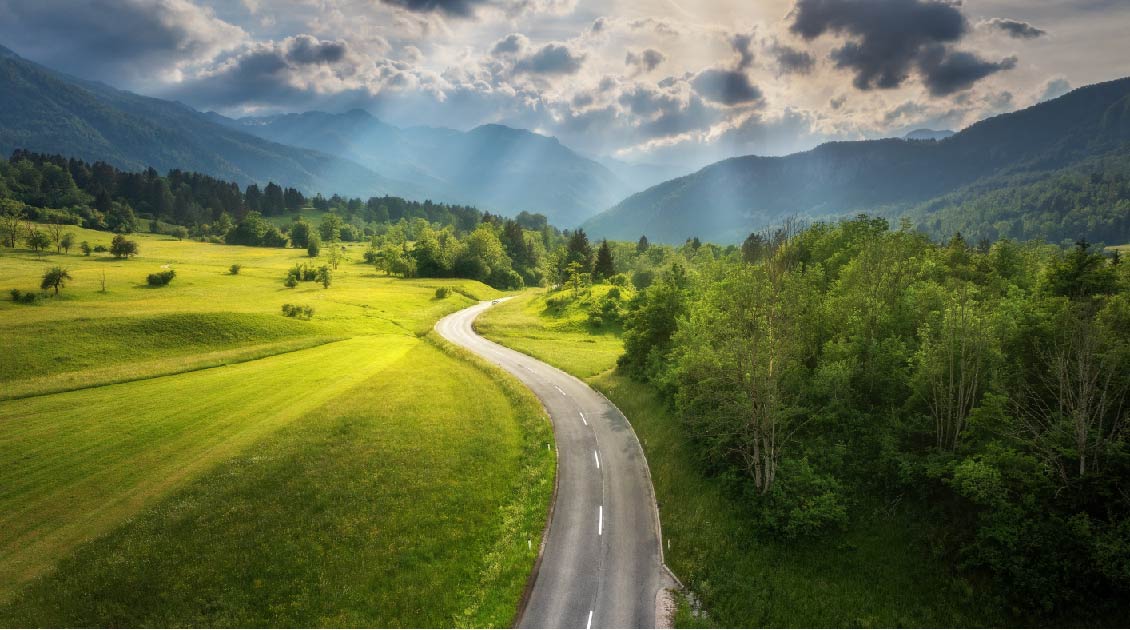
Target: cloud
column 728, row 87
column 1054, row 88
column 945, row 72
column 550, row 59
column 305, row 49
column 742, row 43
column 117, row 41
column 645, row 60
column 1014, row 28
column 791, row 60
column 511, row 44
column 455, row 8
column 890, row 39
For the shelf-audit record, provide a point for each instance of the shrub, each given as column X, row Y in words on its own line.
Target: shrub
column 23, row 298
column 100, row 249
column 85, row 247
column 298, row 311
column 291, row 280
column 443, row 292
column 234, row 269
column 313, row 248
column 161, row 279
column 179, row 232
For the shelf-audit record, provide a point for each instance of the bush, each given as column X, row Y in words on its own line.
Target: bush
column 99, row 249
column 23, row 298
column 85, row 247
column 443, row 292
column 161, row 279
column 298, row 311
column 802, row 502
column 291, row 281
column 313, row 248
column 234, row 269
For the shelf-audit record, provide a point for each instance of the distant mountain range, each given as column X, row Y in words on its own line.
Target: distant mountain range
column 497, row 168
column 727, row 200
column 50, row 112
column 492, row 166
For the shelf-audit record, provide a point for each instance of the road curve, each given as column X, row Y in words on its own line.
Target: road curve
column 602, row 563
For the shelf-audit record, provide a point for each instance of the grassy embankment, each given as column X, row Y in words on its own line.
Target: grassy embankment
column 206, row 461
column 878, row 573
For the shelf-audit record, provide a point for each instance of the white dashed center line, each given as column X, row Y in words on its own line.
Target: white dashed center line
column 588, row 624
column 597, row 457
column 600, row 522
column 583, row 418
column 559, row 390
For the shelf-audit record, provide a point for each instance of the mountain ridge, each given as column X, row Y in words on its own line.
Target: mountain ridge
column 51, row 112
column 748, row 193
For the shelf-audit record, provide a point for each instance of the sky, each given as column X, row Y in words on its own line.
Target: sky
column 678, row 82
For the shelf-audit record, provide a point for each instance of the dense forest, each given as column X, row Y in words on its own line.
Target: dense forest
column 1089, row 200
column 826, row 371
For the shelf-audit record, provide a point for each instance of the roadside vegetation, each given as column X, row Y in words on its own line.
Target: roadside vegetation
column 852, row 425
column 192, row 455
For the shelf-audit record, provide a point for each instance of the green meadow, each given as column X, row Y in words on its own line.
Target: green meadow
column 186, row 455
column 878, row 575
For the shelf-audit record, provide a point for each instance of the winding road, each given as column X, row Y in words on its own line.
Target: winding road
column 602, row 562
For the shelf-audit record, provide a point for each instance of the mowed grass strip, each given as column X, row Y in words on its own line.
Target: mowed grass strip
column 152, row 368
column 877, row 574
column 405, row 500
column 74, row 465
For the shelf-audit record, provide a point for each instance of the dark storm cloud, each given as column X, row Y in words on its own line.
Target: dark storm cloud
column 114, row 41
column 551, row 59
column 890, row 39
column 728, row 87
column 458, row 8
column 309, row 50
column 1015, row 28
column 791, row 60
column 945, row 72
column 646, row 60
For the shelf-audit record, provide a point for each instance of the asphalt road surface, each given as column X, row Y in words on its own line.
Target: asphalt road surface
column 602, row 565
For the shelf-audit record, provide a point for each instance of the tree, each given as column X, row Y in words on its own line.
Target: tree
column 330, row 228
column 313, row 247
column 1082, row 273
column 300, row 234
column 85, row 248
column 55, row 233
column 754, row 247
column 37, row 240
column 11, row 220
column 952, row 362
column 67, row 242
column 642, row 245
column 325, row 276
column 578, row 250
column 576, row 277
column 121, row 247
column 605, row 266
column 55, row 278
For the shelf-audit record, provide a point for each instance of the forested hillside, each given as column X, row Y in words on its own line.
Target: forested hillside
column 822, row 373
column 46, row 111
column 726, row 201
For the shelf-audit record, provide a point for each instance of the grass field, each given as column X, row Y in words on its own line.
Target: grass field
column 207, row 461
column 877, row 575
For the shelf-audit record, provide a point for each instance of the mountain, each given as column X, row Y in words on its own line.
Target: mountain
column 492, row 166
column 928, row 134
column 727, row 200
column 50, row 112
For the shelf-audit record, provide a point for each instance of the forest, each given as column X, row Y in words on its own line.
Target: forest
column 822, row 371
